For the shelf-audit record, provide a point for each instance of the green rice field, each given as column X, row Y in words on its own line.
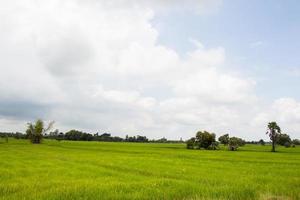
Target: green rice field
column 104, row 170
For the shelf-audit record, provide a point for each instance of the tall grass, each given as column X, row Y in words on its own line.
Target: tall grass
column 99, row 170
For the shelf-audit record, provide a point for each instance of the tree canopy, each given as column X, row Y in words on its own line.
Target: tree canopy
column 273, row 132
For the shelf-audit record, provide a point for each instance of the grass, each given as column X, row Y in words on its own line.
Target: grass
column 99, row 170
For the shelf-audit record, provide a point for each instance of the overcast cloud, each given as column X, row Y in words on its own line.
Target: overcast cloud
column 98, row 66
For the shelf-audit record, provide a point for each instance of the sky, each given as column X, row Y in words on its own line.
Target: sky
column 155, row 68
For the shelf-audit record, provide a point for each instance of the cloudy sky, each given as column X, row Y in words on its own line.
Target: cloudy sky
column 160, row 68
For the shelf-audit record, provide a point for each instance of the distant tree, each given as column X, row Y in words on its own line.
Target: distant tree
column 235, row 142
column 296, row 142
column 141, row 139
column 60, row 136
column 205, row 139
column 190, row 144
column 224, row 139
column 78, row 135
column 36, row 131
column 161, row 140
column 273, row 132
column 283, row 139
column 261, row 142
column 214, row 146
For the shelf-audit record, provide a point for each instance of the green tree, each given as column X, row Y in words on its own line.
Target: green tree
column 205, row 139
column 273, row 132
column 296, row 142
column 283, row 139
column 190, row 144
column 261, row 142
column 35, row 131
column 235, row 142
column 224, row 139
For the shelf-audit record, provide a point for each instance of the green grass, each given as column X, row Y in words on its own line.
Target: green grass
column 99, row 170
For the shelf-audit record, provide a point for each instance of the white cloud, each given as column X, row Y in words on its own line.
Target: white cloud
column 97, row 66
column 286, row 112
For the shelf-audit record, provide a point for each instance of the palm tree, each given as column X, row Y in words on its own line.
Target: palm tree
column 273, row 132
column 36, row 131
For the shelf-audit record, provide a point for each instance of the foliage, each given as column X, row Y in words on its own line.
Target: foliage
column 283, row 139
column 36, row 131
column 224, row 139
column 137, row 138
column 190, row 144
column 273, row 132
column 261, row 142
column 78, row 135
column 235, row 142
column 296, row 142
column 203, row 140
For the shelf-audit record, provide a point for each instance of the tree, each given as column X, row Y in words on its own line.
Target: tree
column 235, row 142
column 205, row 139
column 224, row 139
column 261, row 142
column 36, row 131
column 283, row 140
column 273, row 132
column 190, row 144
column 296, row 142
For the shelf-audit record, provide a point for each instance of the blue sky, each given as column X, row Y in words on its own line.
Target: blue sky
column 261, row 39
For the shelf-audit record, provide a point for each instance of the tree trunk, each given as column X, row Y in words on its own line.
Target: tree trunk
column 273, row 144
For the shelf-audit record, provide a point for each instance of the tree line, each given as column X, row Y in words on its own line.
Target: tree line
column 35, row 132
column 38, row 131
column 207, row 140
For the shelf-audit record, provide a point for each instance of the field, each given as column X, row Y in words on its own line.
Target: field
column 99, row 170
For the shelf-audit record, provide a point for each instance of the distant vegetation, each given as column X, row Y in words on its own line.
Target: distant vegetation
column 37, row 131
column 203, row 140
column 207, row 140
